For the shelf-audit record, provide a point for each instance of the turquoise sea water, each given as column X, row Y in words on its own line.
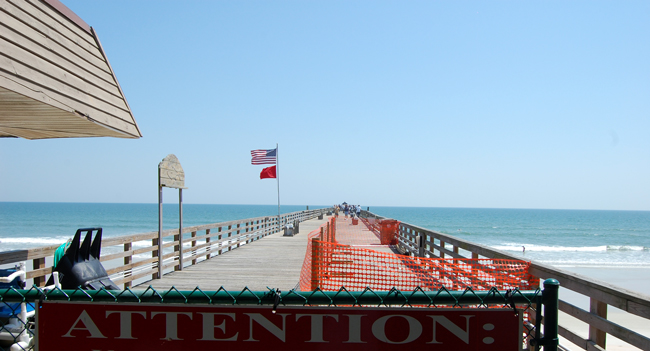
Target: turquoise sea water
column 559, row 237
column 564, row 238
column 31, row 224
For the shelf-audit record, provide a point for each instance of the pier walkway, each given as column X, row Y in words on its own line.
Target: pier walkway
column 274, row 261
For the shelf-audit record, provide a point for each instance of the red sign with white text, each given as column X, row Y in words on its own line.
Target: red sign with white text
column 126, row 326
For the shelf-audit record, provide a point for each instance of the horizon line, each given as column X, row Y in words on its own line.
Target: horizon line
column 325, row 206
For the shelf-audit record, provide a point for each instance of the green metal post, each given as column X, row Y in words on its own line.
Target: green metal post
column 550, row 298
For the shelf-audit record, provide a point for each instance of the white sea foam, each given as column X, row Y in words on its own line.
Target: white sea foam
column 544, row 248
column 30, row 240
column 142, row 243
column 627, row 248
column 142, row 256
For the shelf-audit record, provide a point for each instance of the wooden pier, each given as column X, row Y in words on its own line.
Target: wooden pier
column 273, row 262
column 253, row 253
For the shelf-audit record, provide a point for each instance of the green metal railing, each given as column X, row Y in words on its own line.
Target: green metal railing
column 529, row 302
column 368, row 297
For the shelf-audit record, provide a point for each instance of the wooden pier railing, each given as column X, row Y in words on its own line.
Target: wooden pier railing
column 422, row 242
column 135, row 257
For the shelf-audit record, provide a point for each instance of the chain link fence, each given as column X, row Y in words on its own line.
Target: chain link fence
column 17, row 324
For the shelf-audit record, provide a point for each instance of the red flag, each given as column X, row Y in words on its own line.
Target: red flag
column 268, row 172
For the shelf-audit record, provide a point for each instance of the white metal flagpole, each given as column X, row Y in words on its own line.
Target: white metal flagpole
column 277, row 176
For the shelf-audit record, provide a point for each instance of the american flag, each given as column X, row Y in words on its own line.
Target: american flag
column 264, row 157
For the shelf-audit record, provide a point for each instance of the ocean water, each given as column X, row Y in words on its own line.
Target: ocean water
column 564, row 238
column 32, row 224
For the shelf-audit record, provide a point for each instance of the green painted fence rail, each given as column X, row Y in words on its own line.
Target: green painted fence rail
column 531, row 302
column 367, row 297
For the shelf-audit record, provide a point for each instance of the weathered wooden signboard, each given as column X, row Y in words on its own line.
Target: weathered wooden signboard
column 132, row 326
column 170, row 173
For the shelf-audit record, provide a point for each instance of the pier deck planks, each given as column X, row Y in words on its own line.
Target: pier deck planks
column 274, row 261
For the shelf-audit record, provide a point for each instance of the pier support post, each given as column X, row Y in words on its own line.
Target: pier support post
column 159, row 241
column 180, row 229
column 315, row 263
column 193, row 235
column 550, row 298
column 127, row 262
column 598, row 308
column 154, row 254
column 39, row 263
column 170, row 175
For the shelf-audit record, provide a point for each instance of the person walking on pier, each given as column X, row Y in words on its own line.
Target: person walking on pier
column 336, row 211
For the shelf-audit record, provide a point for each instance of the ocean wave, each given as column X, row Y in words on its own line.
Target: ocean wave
column 543, row 248
column 56, row 240
column 141, row 243
column 41, row 241
column 626, row 248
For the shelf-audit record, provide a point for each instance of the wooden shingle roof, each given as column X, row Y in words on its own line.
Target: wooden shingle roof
column 55, row 79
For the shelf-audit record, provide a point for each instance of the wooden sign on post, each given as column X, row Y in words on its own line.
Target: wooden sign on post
column 170, row 175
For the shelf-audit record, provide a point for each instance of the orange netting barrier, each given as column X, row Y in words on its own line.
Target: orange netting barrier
column 326, row 232
column 330, row 266
column 372, row 224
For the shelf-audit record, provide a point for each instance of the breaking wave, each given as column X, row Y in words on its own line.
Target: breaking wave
column 543, row 248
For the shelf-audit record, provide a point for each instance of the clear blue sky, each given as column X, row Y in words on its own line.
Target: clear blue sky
column 516, row 104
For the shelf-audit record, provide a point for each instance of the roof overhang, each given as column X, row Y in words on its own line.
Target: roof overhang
column 55, row 79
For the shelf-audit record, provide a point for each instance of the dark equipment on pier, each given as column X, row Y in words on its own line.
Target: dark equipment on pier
column 80, row 266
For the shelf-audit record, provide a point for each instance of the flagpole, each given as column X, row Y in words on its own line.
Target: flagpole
column 277, row 176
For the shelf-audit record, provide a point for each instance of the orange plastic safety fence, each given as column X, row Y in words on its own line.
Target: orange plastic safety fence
column 372, row 224
column 328, row 231
column 330, row 266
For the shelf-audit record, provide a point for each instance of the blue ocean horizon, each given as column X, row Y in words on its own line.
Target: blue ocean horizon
column 564, row 238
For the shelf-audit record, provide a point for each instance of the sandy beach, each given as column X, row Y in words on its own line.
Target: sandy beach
column 634, row 279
